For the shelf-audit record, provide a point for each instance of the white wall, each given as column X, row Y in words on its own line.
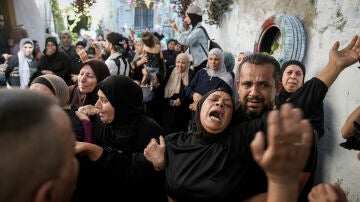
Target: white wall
column 325, row 22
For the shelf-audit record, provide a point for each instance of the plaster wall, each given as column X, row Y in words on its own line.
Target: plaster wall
column 325, row 21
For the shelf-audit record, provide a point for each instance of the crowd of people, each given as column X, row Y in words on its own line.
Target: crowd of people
column 119, row 117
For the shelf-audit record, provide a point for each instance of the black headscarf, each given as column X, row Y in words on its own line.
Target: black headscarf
column 284, row 95
column 126, row 98
column 199, row 130
column 101, row 71
column 195, row 19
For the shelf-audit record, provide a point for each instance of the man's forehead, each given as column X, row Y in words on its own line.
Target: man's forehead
column 255, row 70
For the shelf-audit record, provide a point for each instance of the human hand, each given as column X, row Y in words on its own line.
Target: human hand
column 177, row 102
column 327, row 193
column 6, row 56
column 173, row 25
column 92, row 151
column 288, row 148
column 81, row 115
column 347, row 56
column 154, row 153
column 196, row 97
column 83, row 55
column 74, row 78
column 88, row 110
column 192, row 106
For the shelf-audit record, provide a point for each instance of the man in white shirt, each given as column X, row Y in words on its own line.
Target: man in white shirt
column 116, row 62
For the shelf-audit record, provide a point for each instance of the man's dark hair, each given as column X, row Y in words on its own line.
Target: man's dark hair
column 260, row 59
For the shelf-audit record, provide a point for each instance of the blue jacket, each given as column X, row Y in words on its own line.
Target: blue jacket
column 193, row 38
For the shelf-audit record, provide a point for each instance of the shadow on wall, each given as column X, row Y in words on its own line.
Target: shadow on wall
column 326, row 145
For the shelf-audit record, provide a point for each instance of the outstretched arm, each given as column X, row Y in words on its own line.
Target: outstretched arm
column 288, row 148
column 339, row 60
column 348, row 126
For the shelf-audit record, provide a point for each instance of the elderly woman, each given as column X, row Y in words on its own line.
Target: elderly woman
column 213, row 162
column 18, row 70
column 122, row 131
column 214, row 76
column 177, row 115
column 84, row 92
column 56, row 88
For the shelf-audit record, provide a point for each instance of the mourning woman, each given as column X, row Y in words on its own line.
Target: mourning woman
column 121, row 134
column 84, row 92
column 56, row 88
column 176, row 111
column 53, row 62
column 213, row 162
column 18, row 71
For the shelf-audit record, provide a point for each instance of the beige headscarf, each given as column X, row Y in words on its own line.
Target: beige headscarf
column 57, row 85
column 173, row 85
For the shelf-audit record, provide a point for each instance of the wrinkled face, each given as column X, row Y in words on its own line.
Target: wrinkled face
column 214, row 62
column 65, row 182
column 2, row 22
column 171, row 45
column 27, row 49
column 181, row 65
column 41, row 88
column 50, row 48
column 66, row 40
column 292, row 78
column 87, row 80
column 216, row 112
column 256, row 88
column 106, row 110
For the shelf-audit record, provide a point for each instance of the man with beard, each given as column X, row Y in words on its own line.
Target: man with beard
column 259, row 83
column 116, row 62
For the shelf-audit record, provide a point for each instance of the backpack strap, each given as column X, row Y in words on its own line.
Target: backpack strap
column 117, row 62
column 202, row 47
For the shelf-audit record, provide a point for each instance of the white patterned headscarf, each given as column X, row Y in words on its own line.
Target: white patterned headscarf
column 24, row 69
column 174, row 83
column 221, row 71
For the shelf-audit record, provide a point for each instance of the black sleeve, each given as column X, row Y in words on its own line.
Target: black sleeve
column 126, row 167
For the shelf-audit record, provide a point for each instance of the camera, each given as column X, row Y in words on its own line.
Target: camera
column 91, row 51
column 353, row 142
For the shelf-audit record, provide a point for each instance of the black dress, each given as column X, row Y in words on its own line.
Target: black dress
column 122, row 172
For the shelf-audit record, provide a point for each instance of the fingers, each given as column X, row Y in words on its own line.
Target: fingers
column 162, row 141
column 273, row 128
column 257, row 146
column 336, row 46
column 307, row 133
column 352, row 43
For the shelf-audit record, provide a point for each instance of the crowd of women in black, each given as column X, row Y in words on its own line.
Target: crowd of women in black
column 121, row 139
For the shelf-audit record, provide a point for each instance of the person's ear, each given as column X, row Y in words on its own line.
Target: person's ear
column 45, row 192
column 278, row 87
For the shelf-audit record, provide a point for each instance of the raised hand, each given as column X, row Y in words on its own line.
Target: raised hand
column 289, row 143
column 155, row 152
column 327, row 193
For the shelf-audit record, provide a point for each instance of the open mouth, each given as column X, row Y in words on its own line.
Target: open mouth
column 215, row 115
